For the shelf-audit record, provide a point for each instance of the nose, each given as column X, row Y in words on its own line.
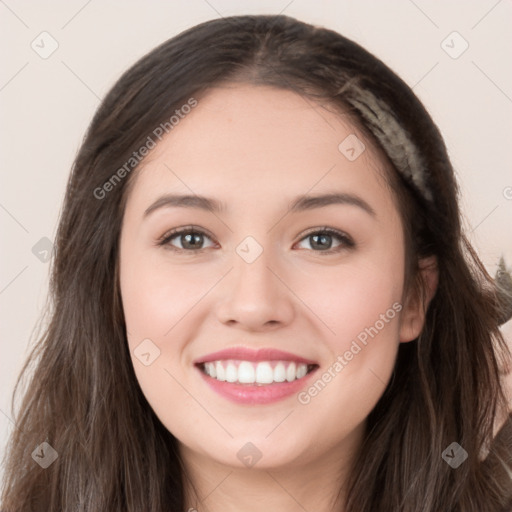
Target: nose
column 256, row 297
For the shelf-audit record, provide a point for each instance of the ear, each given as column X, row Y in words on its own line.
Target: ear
column 416, row 303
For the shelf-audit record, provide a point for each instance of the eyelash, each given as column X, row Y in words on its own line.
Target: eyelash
column 346, row 241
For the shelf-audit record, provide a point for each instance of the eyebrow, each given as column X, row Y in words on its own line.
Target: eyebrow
column 301, row 203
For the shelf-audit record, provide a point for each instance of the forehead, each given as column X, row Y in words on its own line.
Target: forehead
column 251, row 142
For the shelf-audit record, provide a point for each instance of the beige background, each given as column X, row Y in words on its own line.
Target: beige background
column 46, row 105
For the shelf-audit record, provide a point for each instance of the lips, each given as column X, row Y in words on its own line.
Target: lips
column 255, row 376
column 245, row 354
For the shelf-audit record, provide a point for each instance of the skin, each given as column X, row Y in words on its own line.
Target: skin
column 256, row 149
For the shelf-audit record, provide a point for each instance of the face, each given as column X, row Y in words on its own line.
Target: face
column 293, row 305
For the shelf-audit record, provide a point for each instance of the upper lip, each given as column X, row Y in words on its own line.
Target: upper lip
column 247, row 354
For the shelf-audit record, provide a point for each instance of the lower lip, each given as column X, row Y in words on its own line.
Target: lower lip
column 252, row 394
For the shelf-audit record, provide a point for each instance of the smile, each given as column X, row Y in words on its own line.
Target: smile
column 248, row 376
column 260, row 373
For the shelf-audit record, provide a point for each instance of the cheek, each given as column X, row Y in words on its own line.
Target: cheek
column 156, row 299
column 353, row 298
column 157, row 295
column 361, row 305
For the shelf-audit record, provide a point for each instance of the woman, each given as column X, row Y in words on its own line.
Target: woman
column 262, row 296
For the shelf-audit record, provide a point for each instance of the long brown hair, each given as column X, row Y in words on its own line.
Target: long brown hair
column 83, row 398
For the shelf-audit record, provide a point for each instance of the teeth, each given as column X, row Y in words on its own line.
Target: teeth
column 279, row 373
column 219, row 370
column 248, row 372
column 301, row 371
column 264, row 373
column 291, row 372
column 231, row 373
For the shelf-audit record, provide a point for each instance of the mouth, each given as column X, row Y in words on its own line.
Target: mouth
column 262, row 373
column 247, row 376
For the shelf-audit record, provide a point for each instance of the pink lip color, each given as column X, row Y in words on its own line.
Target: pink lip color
column 245, row 354
column 250, row 394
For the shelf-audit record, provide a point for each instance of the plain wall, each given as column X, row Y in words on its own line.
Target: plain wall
column 47, row 103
